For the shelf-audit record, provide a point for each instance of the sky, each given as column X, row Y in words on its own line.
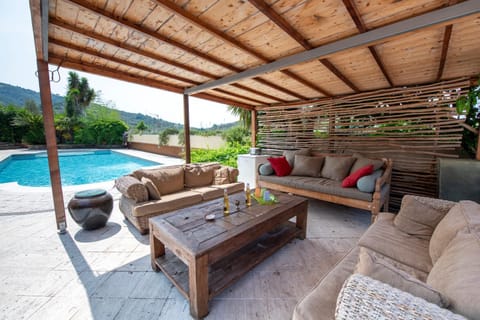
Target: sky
column 18, row 66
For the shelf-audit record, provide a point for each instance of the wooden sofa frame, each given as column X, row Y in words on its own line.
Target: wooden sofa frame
column 373, row 206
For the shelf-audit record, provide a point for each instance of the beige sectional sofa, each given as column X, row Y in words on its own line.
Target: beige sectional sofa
column 150, row 192
column 428, row 254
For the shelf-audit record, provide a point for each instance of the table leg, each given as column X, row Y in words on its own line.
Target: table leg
column 157, row 249
column 301, row 221
column 198, row 287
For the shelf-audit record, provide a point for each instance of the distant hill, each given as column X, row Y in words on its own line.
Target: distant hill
column 17, row 96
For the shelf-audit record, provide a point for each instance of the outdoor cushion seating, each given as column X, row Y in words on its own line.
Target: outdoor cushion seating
column 320, row 176
column 438, row 263
column 150, row 192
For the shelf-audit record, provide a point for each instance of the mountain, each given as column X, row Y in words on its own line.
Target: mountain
column 17, row 96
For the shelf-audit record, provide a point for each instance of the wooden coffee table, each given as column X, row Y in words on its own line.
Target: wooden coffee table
column 205, row 257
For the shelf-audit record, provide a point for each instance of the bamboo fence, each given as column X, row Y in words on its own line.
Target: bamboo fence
column 412, row 125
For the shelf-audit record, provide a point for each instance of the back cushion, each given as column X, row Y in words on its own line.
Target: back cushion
column 419, row 216
column 456, row 274
column 361, row 162
column 167, row 180
column 199, row 175
column 464, row 214
column 336, row 168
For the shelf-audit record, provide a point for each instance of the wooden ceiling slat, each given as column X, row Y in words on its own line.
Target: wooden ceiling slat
column 120, row 61
column 229, row 93
column 353, row 11
column 285, row 26
column 257, row 92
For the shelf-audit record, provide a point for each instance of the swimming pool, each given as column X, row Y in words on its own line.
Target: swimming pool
column 76, row 167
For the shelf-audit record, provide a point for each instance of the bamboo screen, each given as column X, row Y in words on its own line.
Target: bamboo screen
column 412, row 125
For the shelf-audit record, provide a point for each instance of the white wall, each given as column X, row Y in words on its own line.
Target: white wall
column 211, row 142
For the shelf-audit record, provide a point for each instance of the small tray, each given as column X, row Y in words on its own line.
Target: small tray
column 273, row 200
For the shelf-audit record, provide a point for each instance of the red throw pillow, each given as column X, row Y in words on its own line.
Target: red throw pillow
column 351, row 180
column 280, row 166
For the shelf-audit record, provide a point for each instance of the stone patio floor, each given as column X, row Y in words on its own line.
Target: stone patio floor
column 106, row 273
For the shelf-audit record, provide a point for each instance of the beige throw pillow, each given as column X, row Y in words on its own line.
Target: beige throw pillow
column 132, row 188
column 307, row 166
column 221, row 176
column 290, row 155
column 381, row 270
column 153, row 193
column 418, row 216
column 197, row 175
column 336, row 168
column 167, row 180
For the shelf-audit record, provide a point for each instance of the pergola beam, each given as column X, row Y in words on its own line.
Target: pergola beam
column 437, row 17
column 446, row 43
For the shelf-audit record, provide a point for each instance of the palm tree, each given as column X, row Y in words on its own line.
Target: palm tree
column 245, row 115
column 79, row 95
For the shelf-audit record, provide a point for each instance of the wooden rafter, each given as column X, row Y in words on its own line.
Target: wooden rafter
column 355, row 15
column 235, row 43
column 294, row 34
column 115, row 74
column 446, row 42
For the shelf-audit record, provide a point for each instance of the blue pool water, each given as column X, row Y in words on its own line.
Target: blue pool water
column 76, row 167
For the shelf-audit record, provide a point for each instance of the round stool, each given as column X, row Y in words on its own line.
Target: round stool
column 90, row 209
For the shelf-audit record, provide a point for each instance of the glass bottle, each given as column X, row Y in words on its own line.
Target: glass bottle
column 226, row 204
column 248, row 196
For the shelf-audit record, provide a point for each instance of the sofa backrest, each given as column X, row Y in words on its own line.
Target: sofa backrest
column 199, row 174
column 166, row 179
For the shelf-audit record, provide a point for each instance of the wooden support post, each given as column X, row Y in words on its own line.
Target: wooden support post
column 51, row 139
column 478, row 147
column 254, row 128
column 186, row 126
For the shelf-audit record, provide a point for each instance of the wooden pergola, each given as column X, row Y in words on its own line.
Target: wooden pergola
column 254, row 54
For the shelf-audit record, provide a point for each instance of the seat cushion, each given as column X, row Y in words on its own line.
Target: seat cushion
column 385, row 238
column 231, row 187
column 456, row 274
column 208, row 193
column 465, row 214
column 378, row 267
column 169, row 202
column 320, row 302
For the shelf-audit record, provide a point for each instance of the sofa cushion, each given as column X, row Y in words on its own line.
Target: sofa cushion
column 280, row 166
column 153, row 193
column 265, row 169
column 456, row 273
column 199, row 175
column 169, row 202
column 336, row 168
column 166, row 179
column 367, row 183
column 221, row 176
column 362, row 161
column 320, row 302
column 290, row 155
column 132, row 188
column 208, row 193
column 233, row 174
column 418, row 216
column 362, row 297
column 351, row 180
column 376, row 267
column 307, row 166
column 385, row 238
column 464, row 214
column 233, row 187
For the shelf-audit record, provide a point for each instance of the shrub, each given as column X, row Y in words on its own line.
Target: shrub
column 227, row 155
column 101, row 132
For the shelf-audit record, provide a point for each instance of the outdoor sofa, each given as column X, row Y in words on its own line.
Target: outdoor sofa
column 147, row 193
column 423, row 263
column 320, row 176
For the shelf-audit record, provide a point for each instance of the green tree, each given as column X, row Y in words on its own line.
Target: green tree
column 141, row 127
column 237, row 136
column 79, row 96
column 467, row 106
column 245, row 115
column 32, row 107
column 8, row 132
column 33, row 123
